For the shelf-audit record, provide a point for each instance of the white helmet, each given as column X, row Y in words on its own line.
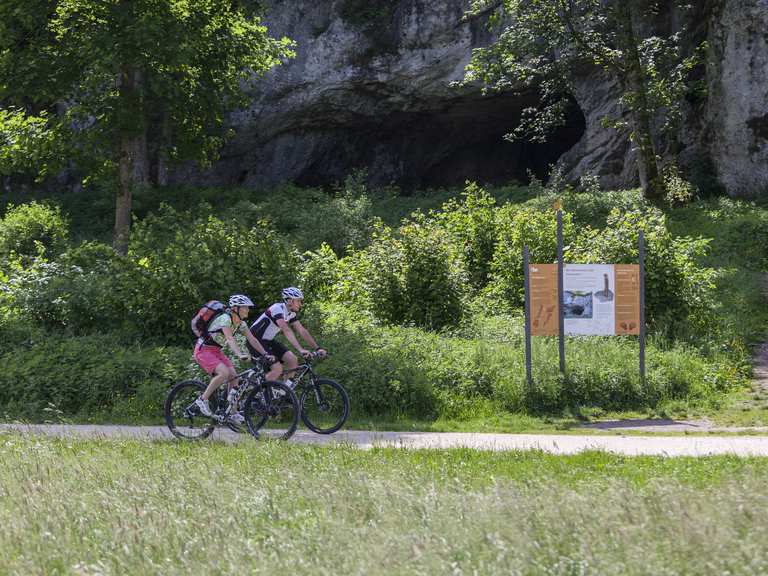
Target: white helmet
column 239, row 300
column 292, row 292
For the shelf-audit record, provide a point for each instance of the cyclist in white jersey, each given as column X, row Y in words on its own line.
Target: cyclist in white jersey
column 282, row 317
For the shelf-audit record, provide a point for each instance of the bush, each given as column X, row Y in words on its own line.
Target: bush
column 591, row 206
column 518, row 227
column 97, row 375
column 409, row 371
column 32, row 230
column 205, row 258
column 408, row 277
column 88, row 289
column 175, row 263
column 345, row 221
column 471, row 227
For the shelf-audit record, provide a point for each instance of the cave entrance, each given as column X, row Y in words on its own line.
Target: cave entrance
column 444, row 146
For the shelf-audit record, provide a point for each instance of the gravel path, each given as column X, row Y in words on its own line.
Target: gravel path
column 552, row 443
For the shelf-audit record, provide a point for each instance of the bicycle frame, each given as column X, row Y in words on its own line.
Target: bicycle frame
column 251, row 377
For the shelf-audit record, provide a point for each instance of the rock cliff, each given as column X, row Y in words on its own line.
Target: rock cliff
column 371, row 87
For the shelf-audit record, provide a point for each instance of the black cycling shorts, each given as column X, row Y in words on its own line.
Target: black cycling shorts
column 272, row 347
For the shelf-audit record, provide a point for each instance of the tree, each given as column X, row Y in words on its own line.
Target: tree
column 543, row 44
column 133, row 75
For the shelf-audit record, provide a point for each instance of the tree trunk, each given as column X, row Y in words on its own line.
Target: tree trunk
column 133, row 169
column 634, row 81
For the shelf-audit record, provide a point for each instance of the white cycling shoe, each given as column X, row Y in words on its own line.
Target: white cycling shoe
column 203, row 406
column 236, row 418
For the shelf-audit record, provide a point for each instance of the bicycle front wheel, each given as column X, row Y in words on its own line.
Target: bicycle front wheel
column 324, row 406
column 183, row 418
column 273, row 404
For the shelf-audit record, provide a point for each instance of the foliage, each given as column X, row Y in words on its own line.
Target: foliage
column 29, row 144
column 679, row 191
column 85, row 290
column 739, row 231
column 470, row 223
column 136, row 76
column 319, row 272
column 396, row 370
column 423, row 322
column 31, row 230
column 87, row 375
column 544, row 45
column 345, row 222
column 406, row 277
column 177, row 262
column 518, row 227
column 204, row 258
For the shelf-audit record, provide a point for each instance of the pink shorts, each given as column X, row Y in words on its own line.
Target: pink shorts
column 211, row 356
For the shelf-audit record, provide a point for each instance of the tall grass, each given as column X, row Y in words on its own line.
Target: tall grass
column 102, row 507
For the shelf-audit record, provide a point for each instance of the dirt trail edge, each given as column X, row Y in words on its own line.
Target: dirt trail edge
column 551, row 443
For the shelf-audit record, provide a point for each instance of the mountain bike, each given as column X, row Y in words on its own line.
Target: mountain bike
column 260, row 401
column 324, row 403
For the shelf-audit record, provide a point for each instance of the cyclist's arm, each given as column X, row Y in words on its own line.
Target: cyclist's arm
column 286, row 329
column 233, row 345
column 305, row 335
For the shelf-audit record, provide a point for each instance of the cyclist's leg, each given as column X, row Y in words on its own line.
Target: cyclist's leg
column 278, row 351
column 212, row 360
column 275, row 371
column 291, row 363
column 222, row 372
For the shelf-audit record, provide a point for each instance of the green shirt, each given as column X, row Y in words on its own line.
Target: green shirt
column 224, row 321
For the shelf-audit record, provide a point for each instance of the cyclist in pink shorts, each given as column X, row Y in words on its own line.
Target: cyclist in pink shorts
column 209, row 349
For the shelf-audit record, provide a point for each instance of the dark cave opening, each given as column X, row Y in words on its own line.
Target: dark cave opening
column 443, row 147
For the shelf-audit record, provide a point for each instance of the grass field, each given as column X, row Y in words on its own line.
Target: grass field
column 128, row 507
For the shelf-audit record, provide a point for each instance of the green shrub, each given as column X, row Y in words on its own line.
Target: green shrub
column 470, row 223
column 319, row 272
column 31, row 230
column 88, row 289
column 434, row 282
column 678, row 191
column 589, row 207
column 97, row 375
column 518, row 227
column 345, row 220
column 407, row 277
column 740, row 232
column 409, row 371
column 205, row 258
column 175, row 263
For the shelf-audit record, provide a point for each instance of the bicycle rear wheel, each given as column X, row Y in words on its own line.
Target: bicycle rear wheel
column 324, row 406
column 183, row 418
column 275, row 404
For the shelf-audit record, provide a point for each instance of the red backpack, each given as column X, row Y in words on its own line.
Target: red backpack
column 205, row 316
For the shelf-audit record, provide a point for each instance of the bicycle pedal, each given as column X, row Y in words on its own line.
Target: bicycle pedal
column 191, row 411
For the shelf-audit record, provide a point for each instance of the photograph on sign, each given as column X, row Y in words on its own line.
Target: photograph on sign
column 588, row 299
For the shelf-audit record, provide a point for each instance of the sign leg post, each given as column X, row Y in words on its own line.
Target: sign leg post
column 560, row 309
column 641, row 251
column 527, row 285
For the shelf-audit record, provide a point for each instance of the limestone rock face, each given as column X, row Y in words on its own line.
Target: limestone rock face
column 375, row 91
column 370, row 88
column 737, row 111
